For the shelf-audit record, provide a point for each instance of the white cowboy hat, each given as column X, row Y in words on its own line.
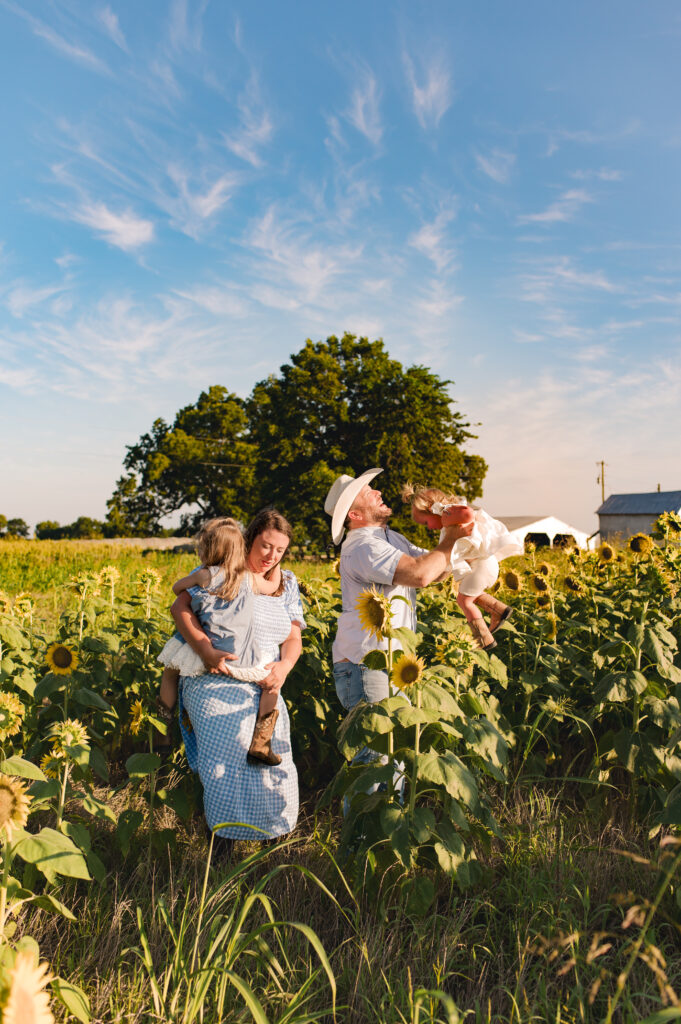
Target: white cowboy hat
column 341, row 495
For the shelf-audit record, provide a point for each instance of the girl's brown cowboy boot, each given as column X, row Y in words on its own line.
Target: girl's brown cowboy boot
column 261, row 745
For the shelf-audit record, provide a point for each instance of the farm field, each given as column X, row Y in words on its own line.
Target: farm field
column 522, row 866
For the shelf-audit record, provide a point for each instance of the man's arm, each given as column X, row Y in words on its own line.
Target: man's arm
column 421, row 570
column 188, row 625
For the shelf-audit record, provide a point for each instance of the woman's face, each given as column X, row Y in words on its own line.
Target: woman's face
column 268, row 548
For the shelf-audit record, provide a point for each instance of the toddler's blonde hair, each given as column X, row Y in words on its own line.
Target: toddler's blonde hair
column 423, row 498
column 221, row 542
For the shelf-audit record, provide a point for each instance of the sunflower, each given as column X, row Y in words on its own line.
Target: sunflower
column 61, row 659
column 24, row 606
column 552, row 622
column 543, row 600
column 52, row 764
column 108, row 576
column 544, row 568
column 606, row 553
column 70, row 733
column 137, row 717
column 495, row 586
column 5, row 603
column 149, row 581
column 573, row 584
column 539, row 583
column 407, row 672
column 305, row 589
column 374, row 612
column 512, row 580
column 641, row 544
column 83, row 584
column 14, row 804
column 11, row 713
column 530, row 547
column 27, row 1001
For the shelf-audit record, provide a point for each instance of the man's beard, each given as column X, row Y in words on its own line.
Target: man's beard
column 378, row 517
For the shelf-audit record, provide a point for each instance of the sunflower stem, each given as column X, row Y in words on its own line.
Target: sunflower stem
column 389, row 665
column 415, row 769
column 62, row 795
column 6, row 863
column 152, row 789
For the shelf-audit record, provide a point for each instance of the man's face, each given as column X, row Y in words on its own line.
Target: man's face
column 373, row 510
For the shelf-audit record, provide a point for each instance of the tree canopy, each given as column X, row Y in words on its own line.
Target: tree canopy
column 339, row 406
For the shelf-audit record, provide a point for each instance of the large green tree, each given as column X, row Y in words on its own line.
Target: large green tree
column 204, row 463
column 339, row 406
column 343, row 405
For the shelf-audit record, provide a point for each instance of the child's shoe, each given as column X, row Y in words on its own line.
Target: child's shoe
column 482, row 634
column 260, row 749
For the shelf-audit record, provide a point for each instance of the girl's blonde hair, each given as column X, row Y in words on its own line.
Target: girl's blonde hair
column 422, row 498
column 221, row 542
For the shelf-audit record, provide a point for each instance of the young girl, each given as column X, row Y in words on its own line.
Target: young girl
column 475, row 558
column 222, row 599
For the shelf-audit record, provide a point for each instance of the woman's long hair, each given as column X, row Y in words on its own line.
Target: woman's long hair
column 221, row 542
column 268, row 519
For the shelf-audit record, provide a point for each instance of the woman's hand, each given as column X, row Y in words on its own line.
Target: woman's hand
column 276, row 678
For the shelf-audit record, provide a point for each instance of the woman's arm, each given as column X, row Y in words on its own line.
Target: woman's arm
column 198, row 578
column 188, row 625
column 290, row 652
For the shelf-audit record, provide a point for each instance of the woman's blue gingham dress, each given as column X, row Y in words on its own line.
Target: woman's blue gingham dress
column 222, row 714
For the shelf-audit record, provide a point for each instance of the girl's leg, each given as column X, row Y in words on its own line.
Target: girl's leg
column 484, row 572
column 497, row 610
column 261, row 745
column 168, row 691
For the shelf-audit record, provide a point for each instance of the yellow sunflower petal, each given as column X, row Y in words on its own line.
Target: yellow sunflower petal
column 27, row 1001
column 62, row 659
column 407, row 671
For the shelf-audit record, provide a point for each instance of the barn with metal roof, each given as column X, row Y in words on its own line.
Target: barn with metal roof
column 622, row 515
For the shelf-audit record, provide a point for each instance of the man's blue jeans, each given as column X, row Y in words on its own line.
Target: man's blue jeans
column 353, row 684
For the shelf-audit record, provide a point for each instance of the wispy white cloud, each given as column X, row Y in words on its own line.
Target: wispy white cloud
column 185, row 26
column 604, row 174
column 190, row 210
column 124, row 229
column 73, row 51
column 431, row 241
column 587, row 137
column 363, row 112
column 567, row 205
column 431, row 90
column 109, row 21
column 497, row 165
column 22, row 297
column 255, row 128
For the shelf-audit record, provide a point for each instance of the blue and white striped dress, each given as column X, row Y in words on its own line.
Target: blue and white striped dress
column 222, row 713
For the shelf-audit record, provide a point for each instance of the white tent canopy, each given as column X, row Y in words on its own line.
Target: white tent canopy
column 554, row 529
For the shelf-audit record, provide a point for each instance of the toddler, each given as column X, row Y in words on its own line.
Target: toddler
column 474, row 559
column 221, row 592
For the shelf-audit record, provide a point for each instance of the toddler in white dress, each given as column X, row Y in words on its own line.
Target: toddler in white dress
column 474, row 559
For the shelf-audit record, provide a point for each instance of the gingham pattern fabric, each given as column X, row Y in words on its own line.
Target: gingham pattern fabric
column 221, row 718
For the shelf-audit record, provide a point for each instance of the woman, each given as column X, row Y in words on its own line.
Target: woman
column 258, row 802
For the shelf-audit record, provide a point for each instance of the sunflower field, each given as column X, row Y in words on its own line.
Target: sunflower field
column 509, row 851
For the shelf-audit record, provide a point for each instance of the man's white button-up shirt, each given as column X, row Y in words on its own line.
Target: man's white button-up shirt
column 369, row 555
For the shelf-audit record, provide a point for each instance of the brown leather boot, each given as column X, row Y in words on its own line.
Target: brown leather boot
column 497, row 610
column 482, row 634
column 260, row 749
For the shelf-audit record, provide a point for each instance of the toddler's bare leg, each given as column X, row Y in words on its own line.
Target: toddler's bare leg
column 268, row 702
column 476, row 622
column 168, row 692
column 497, row 610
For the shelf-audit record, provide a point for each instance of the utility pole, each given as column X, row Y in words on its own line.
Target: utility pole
column 600, row 479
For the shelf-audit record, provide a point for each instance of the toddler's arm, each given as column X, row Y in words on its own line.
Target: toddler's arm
column 198, row 578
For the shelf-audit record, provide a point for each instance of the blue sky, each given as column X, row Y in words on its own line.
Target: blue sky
column 191, row 189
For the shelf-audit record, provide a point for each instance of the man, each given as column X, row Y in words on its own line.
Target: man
column 374, row 554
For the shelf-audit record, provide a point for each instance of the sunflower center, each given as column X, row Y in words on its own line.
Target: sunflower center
column 62, row 657
column 375, row 613
column 410, row 673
